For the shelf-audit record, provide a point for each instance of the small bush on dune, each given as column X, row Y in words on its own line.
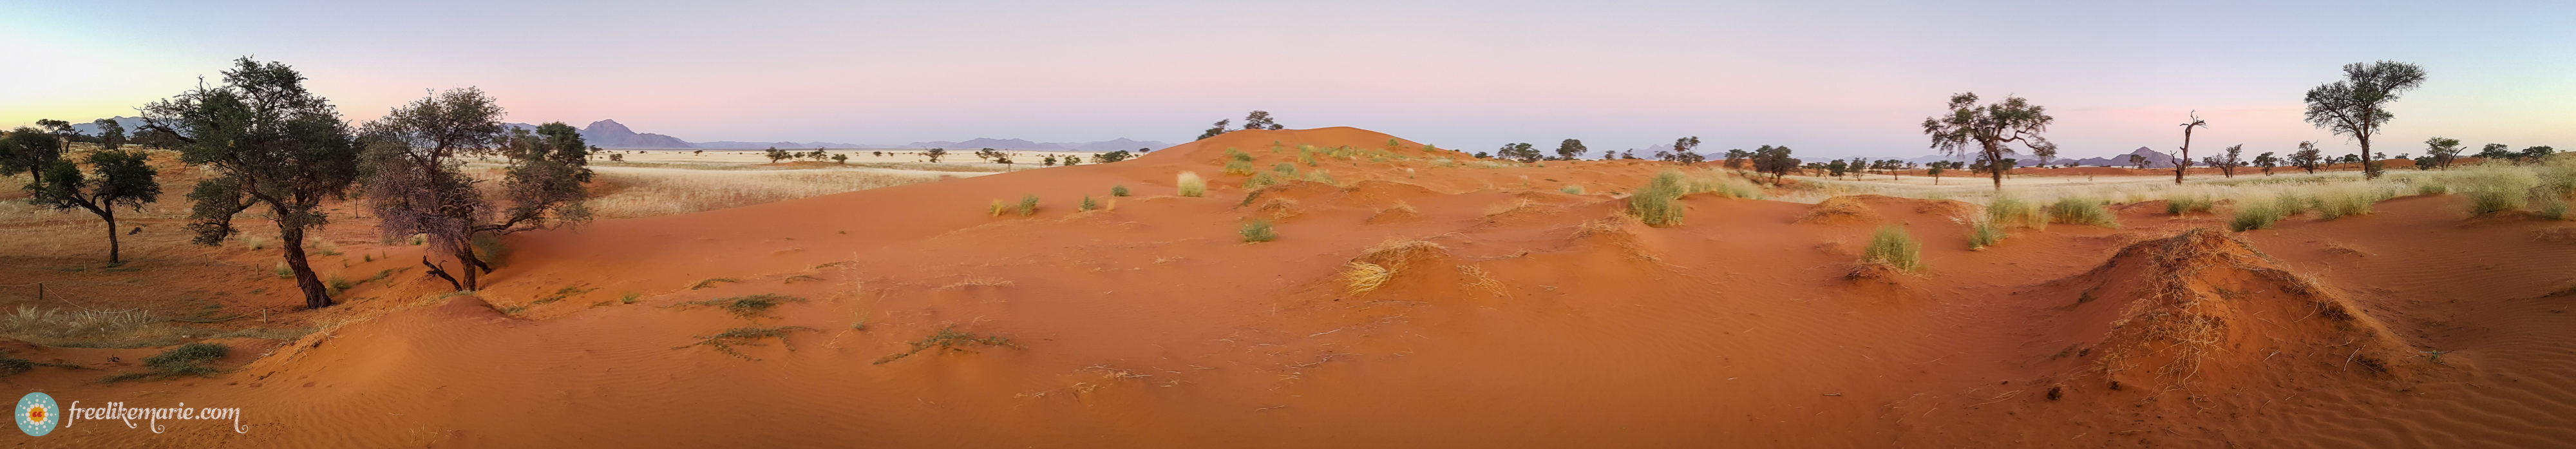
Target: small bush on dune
column 1259, row 180
column 997, row 208
column 948, row 339
column 1284, row 168
column 1984, row 233
column 185, row 360
column 1576, row 190
column 1191, row 185
column 1238, row 163
column 1028, row 205
column 1894, row 247
column 1087, row 204
column 2083, row 211
column 746, row 306
column 745, row 336
column 1657, row 203
column 1362, row 277
column 1257, row 231
column 1118, row 190
column 2290, row 202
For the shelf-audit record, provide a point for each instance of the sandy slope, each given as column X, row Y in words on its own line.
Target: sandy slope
column 1533, row 318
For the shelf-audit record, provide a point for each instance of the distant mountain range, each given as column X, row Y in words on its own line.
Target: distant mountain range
column 610, row 134
column 2155, row 159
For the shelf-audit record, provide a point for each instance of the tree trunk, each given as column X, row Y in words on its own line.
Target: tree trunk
column 1995, row 164
column 315, row 294
column 112, row 256
column 2185, row 161
column 2369, row 166
column 472, row 267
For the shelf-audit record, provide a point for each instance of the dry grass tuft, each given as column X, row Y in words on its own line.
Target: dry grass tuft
column 1363, row 277
column 644, row 192
column 745, row 336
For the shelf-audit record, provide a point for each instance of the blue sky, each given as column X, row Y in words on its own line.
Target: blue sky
column 1830, row 78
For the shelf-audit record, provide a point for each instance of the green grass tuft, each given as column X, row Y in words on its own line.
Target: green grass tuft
column 185, row 360
column 746, row 306
column 1658, row 202
column 1118, row 190
column 1190, row 185
column 710, row 282
column 1894, row 247
column 1028, row 205
column 948, row 339
column 2082, row 211
column 1258, row 231
column 745, row 336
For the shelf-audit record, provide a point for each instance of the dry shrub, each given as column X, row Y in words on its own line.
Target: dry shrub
column 1363, row 277
column 1840, row 210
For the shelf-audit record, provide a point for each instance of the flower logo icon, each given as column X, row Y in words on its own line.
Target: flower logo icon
column 38, row 414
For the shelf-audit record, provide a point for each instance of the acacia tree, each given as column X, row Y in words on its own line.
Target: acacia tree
column 1774, row 160
column 2139, row 160
column 2357, row 106
column 2266, row 161
column 1982, row 131
column 269, row 142
column 123, row 179
column 1219, row 129
column 935, row 153
column 1570, row 149
column 29, row 150
column 2307, row 157
column 415, row 173
column 2440, row 151
column 1519, row 152
column 2183, row 162
column 110, row 133
column 1260, row 120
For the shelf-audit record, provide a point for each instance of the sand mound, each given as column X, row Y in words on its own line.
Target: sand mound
column 2204, row 308
column 1411, row 269
column 1840, row 210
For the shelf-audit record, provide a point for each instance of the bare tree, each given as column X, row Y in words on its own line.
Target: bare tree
column 2183, row 162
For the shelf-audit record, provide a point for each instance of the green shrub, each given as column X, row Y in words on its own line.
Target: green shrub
column 1191, row 185
column 338, row 284
column 1238, row 163
column 2082, row 211
column 1893, row 246
column 1575, row 190
column 1285, row 168
column 746, row 336
column 1028, row 205
column 1257, row 231
column 1984, row 233
column 1658, row 203
column 1118, row 190
column 1087, row 204
column 1322, row 176
column 2550, row 206
column 2290, row 202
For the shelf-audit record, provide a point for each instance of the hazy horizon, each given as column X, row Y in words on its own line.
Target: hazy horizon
column 1826, row 78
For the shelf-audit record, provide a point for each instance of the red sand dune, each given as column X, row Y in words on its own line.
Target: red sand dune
column 1527, row 317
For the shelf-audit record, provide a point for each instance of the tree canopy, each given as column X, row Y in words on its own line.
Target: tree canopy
column 2357, row 106
column 1970, row 129
column 269, row 142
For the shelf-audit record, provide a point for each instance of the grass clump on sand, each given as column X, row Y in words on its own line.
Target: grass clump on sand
column 1118, row 190
column 1657, row 204
column 2009, row 212
column 12, row 365
column 1257, row 231
column 710, row 282
column 1028, row 205
column 1088, row 204
column 1260, row 180
column 2252, row 214
column 2084, row 211
column 1984, row 233
column 2340, row 200
column 746, row 336
column 2180, row 201
column 1362, row 277
column 996, row 210
column 1572, row 190
column 1894, row 247
column 1238, row 163
column 1191, row 185
column 948, row 339
column 2496, row 188
column 185, row 360
column 746, row 306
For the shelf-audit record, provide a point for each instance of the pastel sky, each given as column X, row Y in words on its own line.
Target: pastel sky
column 1830, row 78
